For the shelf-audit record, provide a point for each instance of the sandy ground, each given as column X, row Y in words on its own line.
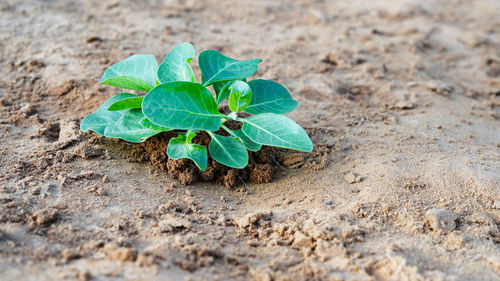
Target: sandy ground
column 401, row 98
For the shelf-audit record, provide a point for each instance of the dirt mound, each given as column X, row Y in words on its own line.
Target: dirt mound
column 260, row 168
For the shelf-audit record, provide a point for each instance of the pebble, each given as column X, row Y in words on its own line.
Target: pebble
column 441, row 220
column 92, row 39
column 329, row 202
column 351, row 178
column 170, row 223
column 300, row 240
column 440, row 87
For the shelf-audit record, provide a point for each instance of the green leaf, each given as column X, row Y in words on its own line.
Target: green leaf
column 129, row 127
column 270, row 97
column 240, row 96
column 276, row 130
column 175, row 66
column 221, row 91
column 249, row 144
column 182, row 105
column 125, row 124
column 181, row 147
column 228, row 151
column 129, row 103
column 99, row 120
column 148, row 124
column 137, row 72
column 215, row 67
column 241, row 137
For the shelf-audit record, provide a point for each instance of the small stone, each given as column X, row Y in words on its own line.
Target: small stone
column 44, row 217
column 120, row 253
column 86, row 151
column 34, row 190
column 329, row 202
column 27, row 109
column 439, row 87
column 174, row 223
column 69, row 254
column 346, row 146
column 92, row 39
column 441, row 220
column 351, row 178
column 404, row 105
column 69, row 132
column 95, row 189
column 350, row 232
column 472, row 40
column 300, row 240
column 144, row 260
column 250, row 219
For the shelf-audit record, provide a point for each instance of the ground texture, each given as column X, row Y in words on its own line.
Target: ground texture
column 401, row 99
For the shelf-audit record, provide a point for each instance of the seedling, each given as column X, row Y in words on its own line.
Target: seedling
column 175, row 101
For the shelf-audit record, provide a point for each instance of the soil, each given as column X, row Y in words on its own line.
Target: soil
column 260, row 166
column 400, row 98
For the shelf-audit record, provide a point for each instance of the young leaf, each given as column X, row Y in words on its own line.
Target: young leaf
column 129, row 103
column 240, row 96
column 175, row 66
column 137, row 72
column 228, row 151
column 249, row 144
column 221, row 92
column 181, row 147
column 276, row 130
column 215, row 67
column 182, row 105
column 129, row 127
column 221, row 89
column 270, row 97
column 99, row 120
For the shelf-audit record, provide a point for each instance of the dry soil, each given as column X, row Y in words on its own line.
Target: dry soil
column 401, row 99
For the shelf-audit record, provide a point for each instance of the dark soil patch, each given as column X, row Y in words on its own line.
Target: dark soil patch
column 260, row 168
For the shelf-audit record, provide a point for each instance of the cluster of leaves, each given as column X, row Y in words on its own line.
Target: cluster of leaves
column 175, row 101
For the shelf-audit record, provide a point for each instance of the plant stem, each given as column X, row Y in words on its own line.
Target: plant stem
column 227, row 129
column 224, row 116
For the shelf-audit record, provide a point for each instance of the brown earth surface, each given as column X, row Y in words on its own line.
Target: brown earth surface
column 401, row 99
